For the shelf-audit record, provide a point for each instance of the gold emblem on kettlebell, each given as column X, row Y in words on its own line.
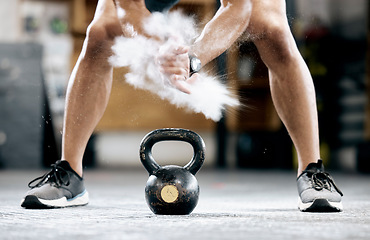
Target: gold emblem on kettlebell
column 169, row 193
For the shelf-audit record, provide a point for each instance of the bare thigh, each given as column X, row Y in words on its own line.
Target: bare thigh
column 106, row 19
column 133, row 12
column 270, row 32
column 267, row 14
column 106, row 9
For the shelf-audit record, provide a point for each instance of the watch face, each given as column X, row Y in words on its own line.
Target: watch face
column 195, row 64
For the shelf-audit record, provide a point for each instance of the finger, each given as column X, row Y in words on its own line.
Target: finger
column 181, row 50
column 174, row 70
column 179, row 83
column 183, row 57
column 193, row 78
column 167, row 58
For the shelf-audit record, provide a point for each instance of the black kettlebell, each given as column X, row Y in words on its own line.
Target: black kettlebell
column 172, row 190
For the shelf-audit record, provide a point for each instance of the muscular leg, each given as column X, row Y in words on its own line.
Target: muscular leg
column 87, row 97
column 291, row 84
column 91, row 80
column 89, row 85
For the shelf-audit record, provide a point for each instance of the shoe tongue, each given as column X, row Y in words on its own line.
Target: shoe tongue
column 64, row 164
column 315, row 166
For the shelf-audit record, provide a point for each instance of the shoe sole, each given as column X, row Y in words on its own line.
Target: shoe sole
column 33, row 202
column 320, row 205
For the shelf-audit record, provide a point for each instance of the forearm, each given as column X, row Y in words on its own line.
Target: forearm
column 230, row 21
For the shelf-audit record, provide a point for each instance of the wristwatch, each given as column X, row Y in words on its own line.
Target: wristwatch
column 195, row 64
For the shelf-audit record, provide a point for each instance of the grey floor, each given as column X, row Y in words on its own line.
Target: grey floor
column 233, row 205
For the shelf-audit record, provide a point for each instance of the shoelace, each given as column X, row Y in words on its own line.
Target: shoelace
column 54, row 176
column 322, row 180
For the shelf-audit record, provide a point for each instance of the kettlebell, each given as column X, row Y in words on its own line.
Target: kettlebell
column 170, row 189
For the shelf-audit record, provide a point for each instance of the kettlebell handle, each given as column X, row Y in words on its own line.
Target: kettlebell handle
column 176, row 134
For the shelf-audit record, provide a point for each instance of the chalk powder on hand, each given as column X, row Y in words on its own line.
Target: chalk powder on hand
column 208, row 95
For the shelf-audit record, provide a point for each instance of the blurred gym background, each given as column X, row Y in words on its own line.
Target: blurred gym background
column 40, row 41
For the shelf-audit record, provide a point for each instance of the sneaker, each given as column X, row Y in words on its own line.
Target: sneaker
column 61, row 187
column 317, row 190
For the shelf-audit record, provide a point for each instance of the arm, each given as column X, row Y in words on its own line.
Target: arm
column 229, row 22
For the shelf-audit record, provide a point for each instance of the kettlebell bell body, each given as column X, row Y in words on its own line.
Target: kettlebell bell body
column 172, row 190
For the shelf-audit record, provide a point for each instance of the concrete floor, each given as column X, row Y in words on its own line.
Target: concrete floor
column 233, row 205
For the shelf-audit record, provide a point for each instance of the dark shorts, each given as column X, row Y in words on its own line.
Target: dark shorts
column 160, row 5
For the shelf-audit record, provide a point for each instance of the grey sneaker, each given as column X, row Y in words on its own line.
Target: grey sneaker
column 61, row 187
column 317, row 190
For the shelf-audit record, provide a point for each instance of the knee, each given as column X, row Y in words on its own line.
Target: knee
column 278, row 43
column 100, row 35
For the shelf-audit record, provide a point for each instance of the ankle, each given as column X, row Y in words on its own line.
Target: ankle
column 76, row 167
column 78, row 170
column 303, row 166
